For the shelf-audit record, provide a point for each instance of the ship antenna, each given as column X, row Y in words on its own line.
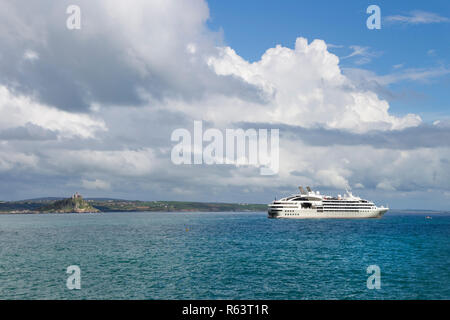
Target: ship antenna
column 348, row 191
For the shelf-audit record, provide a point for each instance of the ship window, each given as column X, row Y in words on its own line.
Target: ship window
column 299, row 199
column 306, row 205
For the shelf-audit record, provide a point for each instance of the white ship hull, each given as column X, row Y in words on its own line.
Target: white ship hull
column 313, row 214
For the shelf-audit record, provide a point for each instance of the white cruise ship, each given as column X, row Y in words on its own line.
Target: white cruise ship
column 311, row 204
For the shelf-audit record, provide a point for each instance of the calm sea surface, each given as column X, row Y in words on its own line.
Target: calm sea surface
column 222, row 256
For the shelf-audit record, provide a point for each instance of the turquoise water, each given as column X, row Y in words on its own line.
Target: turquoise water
column 222, row 256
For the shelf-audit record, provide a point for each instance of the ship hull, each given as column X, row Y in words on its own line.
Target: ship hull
column 314, row 214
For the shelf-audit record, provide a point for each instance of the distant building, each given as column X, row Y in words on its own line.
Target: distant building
column 77, row 196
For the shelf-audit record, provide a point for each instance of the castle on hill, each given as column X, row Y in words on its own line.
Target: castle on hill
column 77, row 196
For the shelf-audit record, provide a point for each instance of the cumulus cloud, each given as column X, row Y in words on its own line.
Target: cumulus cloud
column 304, row 86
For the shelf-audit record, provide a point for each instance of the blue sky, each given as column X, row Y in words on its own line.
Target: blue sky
column 251, row 27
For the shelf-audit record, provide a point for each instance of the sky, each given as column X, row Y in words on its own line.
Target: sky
column 93, row 109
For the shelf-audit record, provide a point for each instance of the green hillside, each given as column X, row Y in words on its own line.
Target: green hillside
column 174, row 206
column 74, row 204
column 77, row 204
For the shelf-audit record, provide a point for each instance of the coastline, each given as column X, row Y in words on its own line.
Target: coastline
column 50, row 205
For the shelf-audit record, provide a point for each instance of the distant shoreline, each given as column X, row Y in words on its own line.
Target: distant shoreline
column 36, row 206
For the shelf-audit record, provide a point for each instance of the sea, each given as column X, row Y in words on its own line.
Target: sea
column 241, row 255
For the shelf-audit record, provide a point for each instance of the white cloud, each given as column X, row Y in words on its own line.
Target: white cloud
column 330, row 45
column 385, row 185
column 31, row 55
column 123, row 163
column 19, row 110
column 16, row 160
column 96, row 184
column 122, row 55
column 417, row 17
column 364, row 54
column 304, row 87
column 410, row 74
column 332, row 179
